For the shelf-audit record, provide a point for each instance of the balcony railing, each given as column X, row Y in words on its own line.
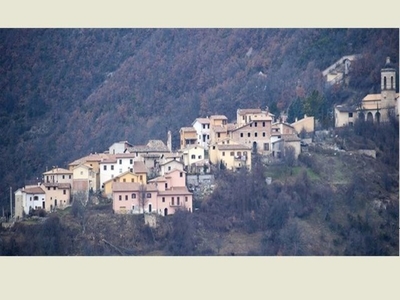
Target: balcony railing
column 180, row 204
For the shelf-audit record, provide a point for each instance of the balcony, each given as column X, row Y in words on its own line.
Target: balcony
column 176, row 204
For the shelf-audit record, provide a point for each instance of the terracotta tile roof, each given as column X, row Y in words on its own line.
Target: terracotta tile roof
column 188, row 129
column 34, row 190
column 158, row 179
column 218, row 117
column 175, row 191
column 110, row 160
column 92, row 157
column 57, row 171
column 372, row 97
column 171, row 155
column 244, row 111
column 171, row 161
column 230, row 126
column 202, row 121
column 139, row 167
column 125, row 155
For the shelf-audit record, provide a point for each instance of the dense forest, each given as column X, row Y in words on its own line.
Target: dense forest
column 68, row 92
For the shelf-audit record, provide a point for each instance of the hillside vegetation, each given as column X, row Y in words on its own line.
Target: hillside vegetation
column 330, row 202
column 69, row 92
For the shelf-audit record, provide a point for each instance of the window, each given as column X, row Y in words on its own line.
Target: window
column 199, row 157
column 63, row 176
column 350, row 114
column 173, row 201
column 241, row 134
column 208, row 137
column 132, row 179
column 131, row 170
column 266, row 147
column 48, row 188
column 223, row 153
column 112, row 167
column 124, row 180
column 81, row 172
column 64, row 192
column 255, row 124
column 248, row 134
column 232, row 153
column 263, row 134
column 263, row 124
column 245, row 153
column 120, row 161
column 166, row 185
column 219, row 135
column 213, row 147
column 54, row 188
column 163, row 199
column 126, row 197
column 105, row 168
column 69, row 176
column 131, row 161
column 177, row 200
column 148, row 195
column 181, row 174
column 193, row 156
column 169, row 168
column 239, row 153
column 186, row 199
column 119, row 197
column 141, row 177
column 120, row 171
column 251, row 124
column 255, row 134
column 133, row 196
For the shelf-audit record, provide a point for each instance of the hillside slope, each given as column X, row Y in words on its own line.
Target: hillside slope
column 68, row 92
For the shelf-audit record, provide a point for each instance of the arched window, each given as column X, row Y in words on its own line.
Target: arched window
column 391, row 82
column 378, row 117
column 384, row 83
column 370, row 117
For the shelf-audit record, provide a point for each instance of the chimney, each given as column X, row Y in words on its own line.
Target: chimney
column 169, row 141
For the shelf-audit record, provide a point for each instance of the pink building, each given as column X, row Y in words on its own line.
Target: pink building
column 162, row 195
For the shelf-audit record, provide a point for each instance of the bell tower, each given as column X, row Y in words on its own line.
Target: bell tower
column 388, row 85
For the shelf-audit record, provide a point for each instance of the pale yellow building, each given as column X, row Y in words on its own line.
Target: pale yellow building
column 84, row 179
column 124, row 177
column 345, row 115
column 307, row 124
column 232, row 156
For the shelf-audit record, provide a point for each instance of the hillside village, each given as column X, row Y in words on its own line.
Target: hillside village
column 152, row 178
column 156, row 179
